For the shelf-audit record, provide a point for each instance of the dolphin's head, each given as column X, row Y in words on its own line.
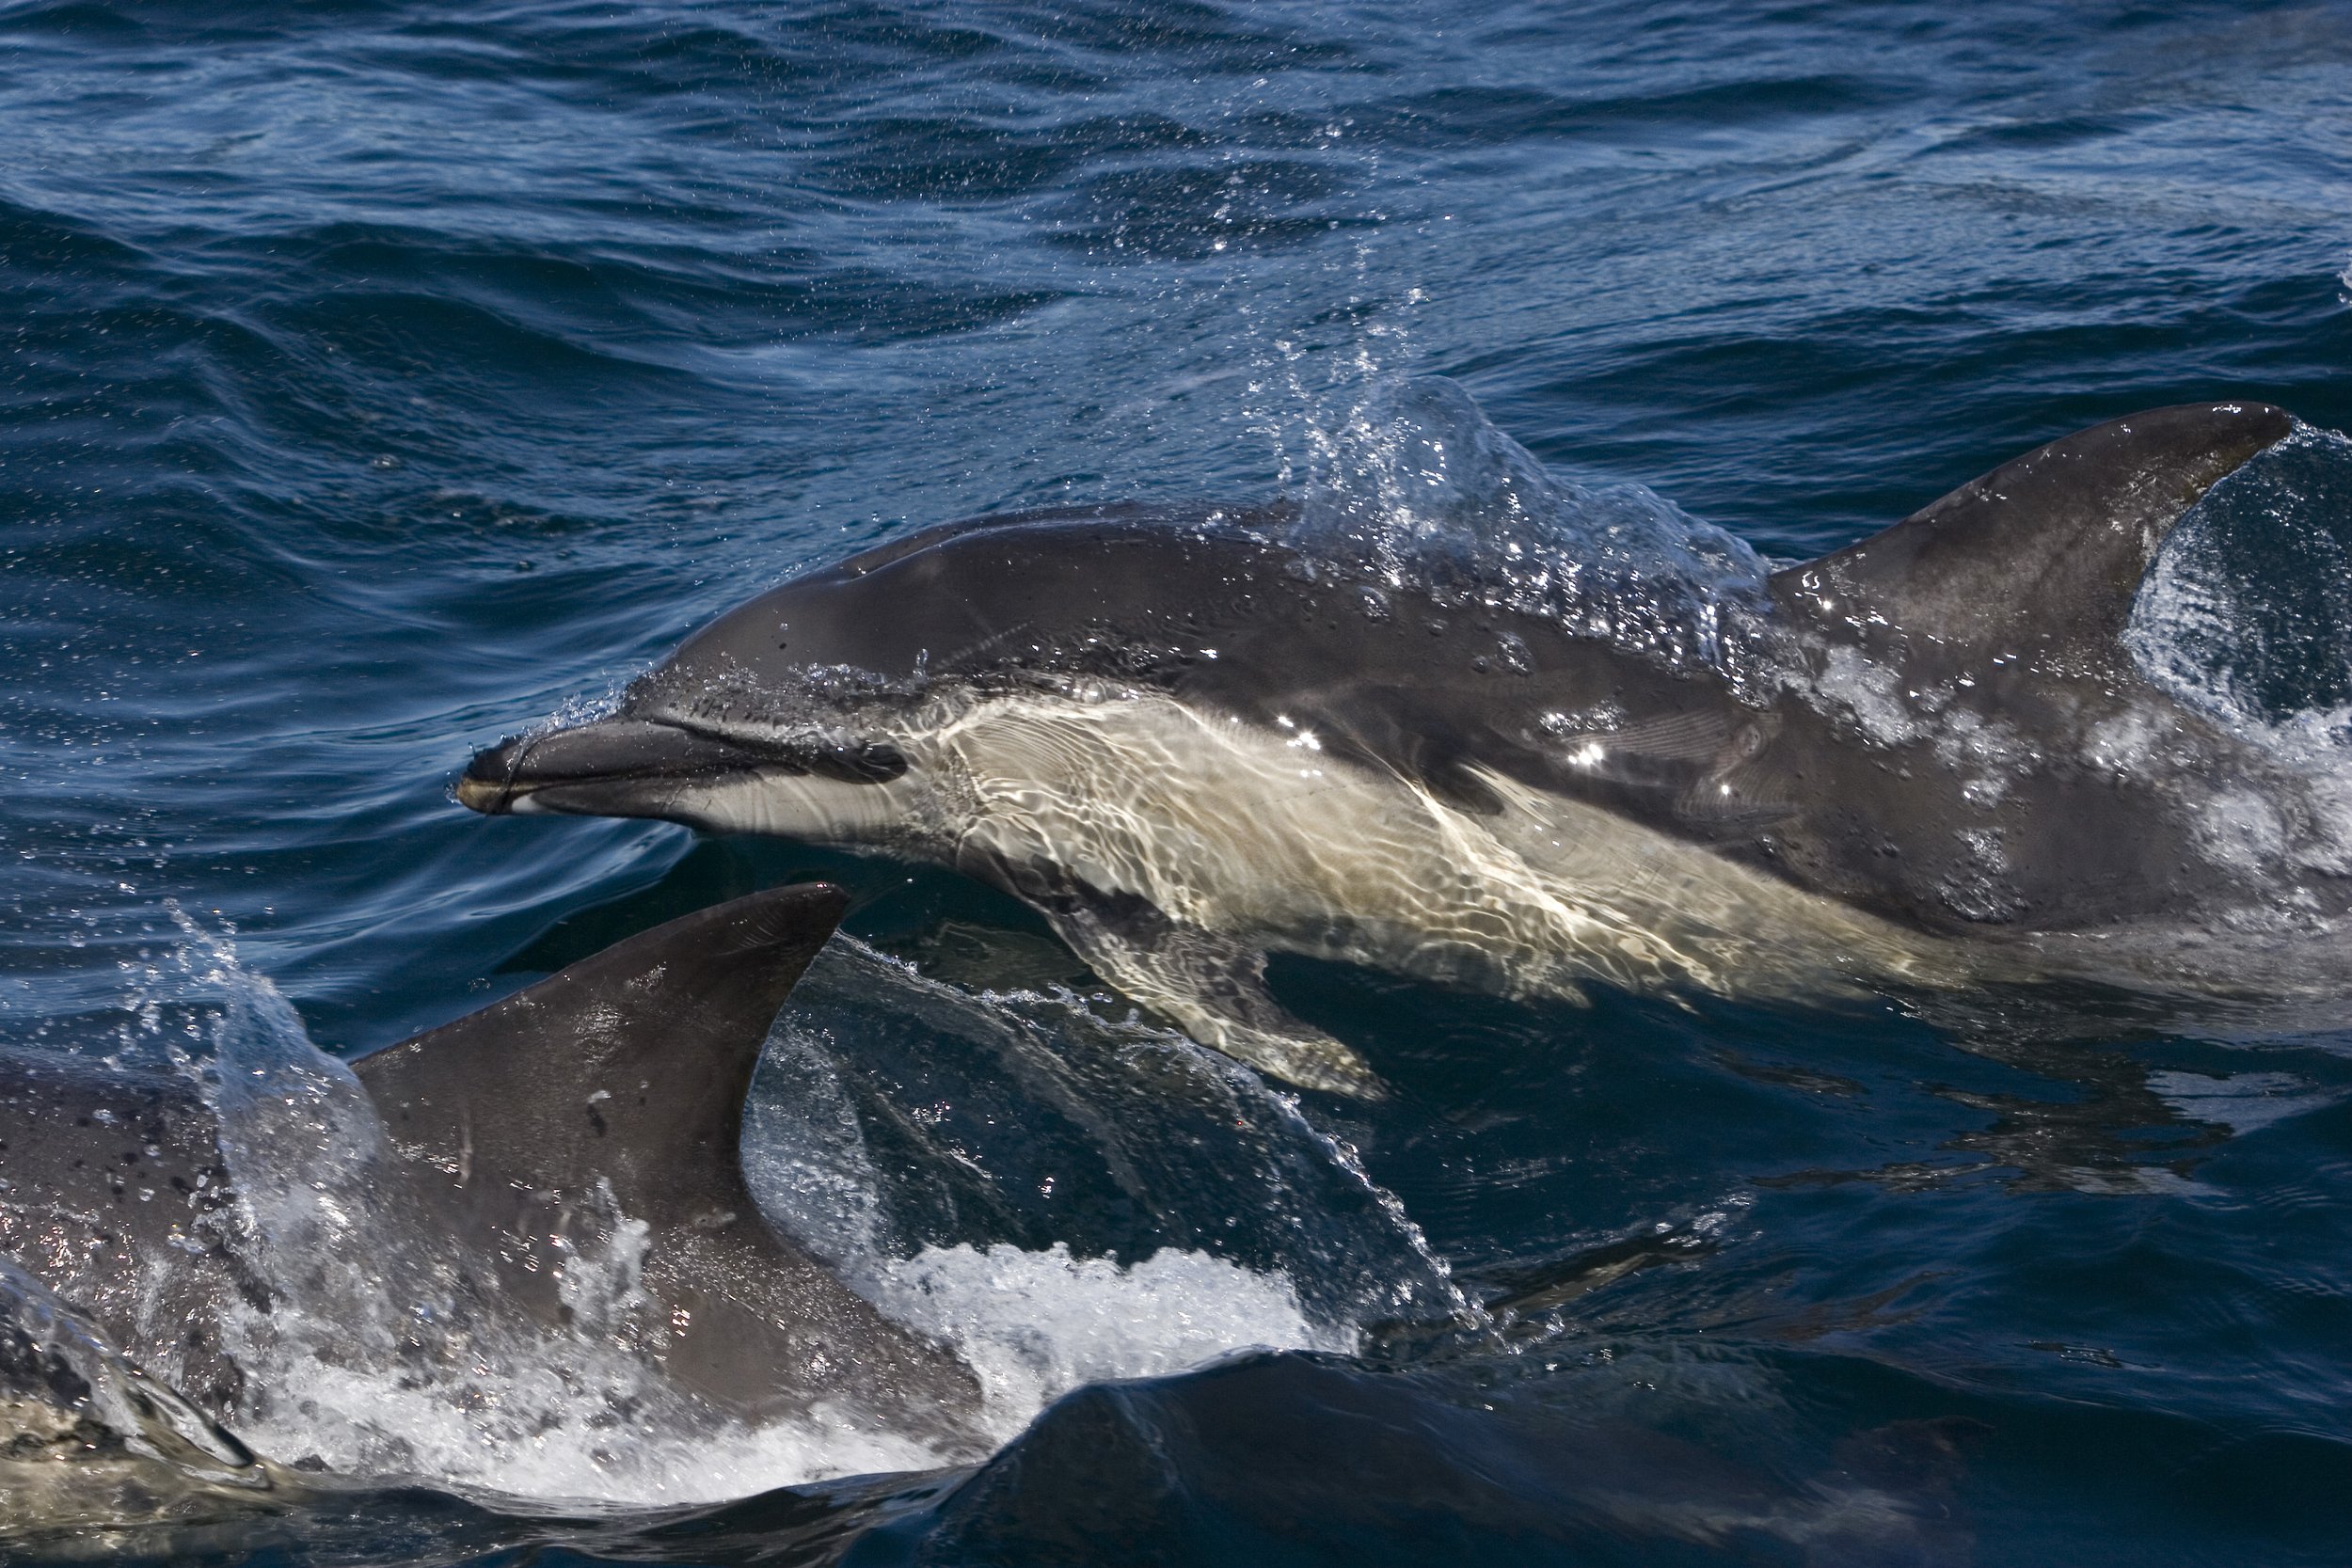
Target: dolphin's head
column 792, row 714
column 821, row 710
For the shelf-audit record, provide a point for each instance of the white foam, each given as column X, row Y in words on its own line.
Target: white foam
column 1034, row 1325
column 2240, row 829
column 561, row 1418
column 550, row 1419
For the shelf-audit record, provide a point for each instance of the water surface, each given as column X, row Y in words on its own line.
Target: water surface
column 379, row 376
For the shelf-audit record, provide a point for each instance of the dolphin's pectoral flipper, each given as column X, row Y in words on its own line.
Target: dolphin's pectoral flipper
column 1210, row 985
column 613, row 1092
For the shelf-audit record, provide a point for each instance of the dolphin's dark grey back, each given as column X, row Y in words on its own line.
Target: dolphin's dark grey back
column 1182, row 599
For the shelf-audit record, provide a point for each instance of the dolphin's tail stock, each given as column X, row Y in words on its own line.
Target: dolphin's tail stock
column 610, row 1096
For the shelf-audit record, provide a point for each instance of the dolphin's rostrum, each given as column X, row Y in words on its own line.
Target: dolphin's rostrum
column 1188, row 741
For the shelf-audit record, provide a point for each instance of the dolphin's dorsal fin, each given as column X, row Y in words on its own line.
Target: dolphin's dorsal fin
column 628, row 1068
column 2041, row 558
column 611, row 1093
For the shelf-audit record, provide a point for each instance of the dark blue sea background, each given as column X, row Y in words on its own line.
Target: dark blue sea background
column 376, row 378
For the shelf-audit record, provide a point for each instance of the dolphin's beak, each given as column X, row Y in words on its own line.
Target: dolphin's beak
column 629, row 767
column 613, row 768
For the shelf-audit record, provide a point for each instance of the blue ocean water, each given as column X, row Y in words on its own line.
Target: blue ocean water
column 379, row 377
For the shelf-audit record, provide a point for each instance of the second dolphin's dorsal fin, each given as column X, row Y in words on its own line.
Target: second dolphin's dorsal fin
column 2041, row 558
column 611, row 1095
column 628, row 1068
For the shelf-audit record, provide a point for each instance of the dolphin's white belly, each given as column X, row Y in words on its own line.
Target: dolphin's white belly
column 1241, row 839
column 1258, row 836
column 1257, row 833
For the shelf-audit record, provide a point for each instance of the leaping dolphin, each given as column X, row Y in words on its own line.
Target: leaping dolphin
column 1189, row 740
column 529, row 1134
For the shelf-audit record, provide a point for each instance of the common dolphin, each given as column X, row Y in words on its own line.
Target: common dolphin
column 1188, row 741
column 601, row 1103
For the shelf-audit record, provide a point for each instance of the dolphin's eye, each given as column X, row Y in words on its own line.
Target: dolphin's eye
column 872, row 762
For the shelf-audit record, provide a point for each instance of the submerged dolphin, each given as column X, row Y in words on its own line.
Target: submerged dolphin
column 529, row 1137
column 1189, row 741
column 92, row 1441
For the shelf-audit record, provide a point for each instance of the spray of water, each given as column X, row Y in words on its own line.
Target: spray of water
column 1411, row 482
column 2246, row 617
column 385, row 1353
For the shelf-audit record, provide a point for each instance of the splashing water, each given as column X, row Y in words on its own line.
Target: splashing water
column 1413, row 482
column 2246, row 617
column 930, row 1072
column 2247, row 613
column 384, row 1355
column 916, row 1127
column 90, row 1438
column 1034, row 1325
